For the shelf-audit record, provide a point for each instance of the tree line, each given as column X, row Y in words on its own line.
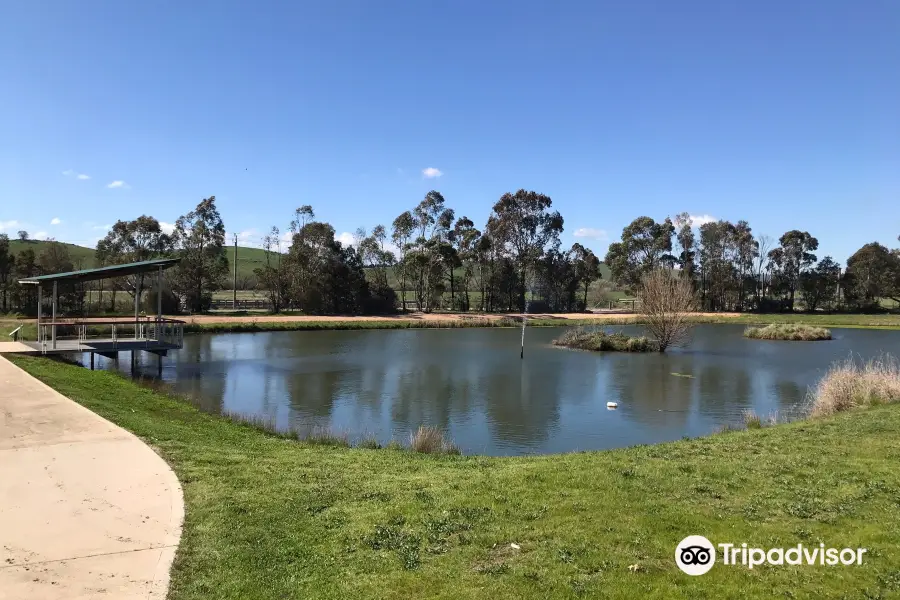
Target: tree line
column 731, row 269
column 440, row 262
column 429, row 259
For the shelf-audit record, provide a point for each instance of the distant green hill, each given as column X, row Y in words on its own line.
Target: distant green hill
column 82, row 257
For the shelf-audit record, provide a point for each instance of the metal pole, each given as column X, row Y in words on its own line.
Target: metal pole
column 137, row 297
column 522, row 352
column 159, row 293
column 53, row 326
column 40, row 302
column 234, row 284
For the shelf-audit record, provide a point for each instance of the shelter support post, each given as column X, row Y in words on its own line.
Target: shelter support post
column 159, row 293
column 53, row 325
column 39, row 307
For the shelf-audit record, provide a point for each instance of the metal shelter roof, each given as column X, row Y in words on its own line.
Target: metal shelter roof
column 145, row 266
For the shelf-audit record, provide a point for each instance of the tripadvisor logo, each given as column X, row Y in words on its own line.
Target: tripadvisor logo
column 696, row 555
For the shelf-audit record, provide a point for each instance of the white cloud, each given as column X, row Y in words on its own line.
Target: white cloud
column 591, row 233
column 431, row 173
column 345, row 238
column 101, row 227
column 118, row 184
column 72, row 173
column 699, row 220
column 4, row 225
column 166, row 227
column 40, row 235
column 55, row 221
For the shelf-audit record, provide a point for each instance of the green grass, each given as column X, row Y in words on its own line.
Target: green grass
column 600, row 341
column 267, row 517
column 796, row 332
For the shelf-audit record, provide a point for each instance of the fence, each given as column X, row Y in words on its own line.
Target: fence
column 241, row 305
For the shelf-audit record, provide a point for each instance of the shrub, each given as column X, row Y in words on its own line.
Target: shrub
column 850, row 384
column 792, row 332
column 666, row 301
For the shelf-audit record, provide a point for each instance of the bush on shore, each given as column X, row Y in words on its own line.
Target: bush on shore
column 792, row 332
column 598, row 341
column 850, row 384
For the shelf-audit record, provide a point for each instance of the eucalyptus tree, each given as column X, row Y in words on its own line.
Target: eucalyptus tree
column 645, row 245
column 820, row 284
column 587, row 268
column 133, row 241
column 199, row 240
column 465, row 238
column 684, row 234
column 873, row 272
column 793, row 256
column 401, row 232
column 7, row 268
column 524, row 227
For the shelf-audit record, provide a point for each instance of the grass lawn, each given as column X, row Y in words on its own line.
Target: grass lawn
column 271, row 518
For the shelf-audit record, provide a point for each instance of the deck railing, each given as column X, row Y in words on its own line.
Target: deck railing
column 151, row 332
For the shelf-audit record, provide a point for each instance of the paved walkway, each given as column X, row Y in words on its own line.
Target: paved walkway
column 87, row 510
column 16, row 347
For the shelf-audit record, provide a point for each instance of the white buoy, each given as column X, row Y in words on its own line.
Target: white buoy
column 612, row 405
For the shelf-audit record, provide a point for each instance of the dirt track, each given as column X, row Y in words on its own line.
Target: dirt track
column 265, row 318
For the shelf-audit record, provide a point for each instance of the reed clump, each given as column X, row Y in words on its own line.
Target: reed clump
column 791, row 332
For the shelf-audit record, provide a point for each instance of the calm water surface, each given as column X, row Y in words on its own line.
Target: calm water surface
column 472, row 383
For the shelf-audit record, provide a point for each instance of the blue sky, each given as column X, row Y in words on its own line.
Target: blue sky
column 786, row 114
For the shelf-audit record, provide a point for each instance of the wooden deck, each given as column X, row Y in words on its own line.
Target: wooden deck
column 102, row 346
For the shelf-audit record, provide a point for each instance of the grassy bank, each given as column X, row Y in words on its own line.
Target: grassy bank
column 892, row 321
column 273, row 518
column 788, row 332
column 600, row 341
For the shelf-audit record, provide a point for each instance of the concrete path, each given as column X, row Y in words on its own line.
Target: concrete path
column 16, row 347
column 87, row 510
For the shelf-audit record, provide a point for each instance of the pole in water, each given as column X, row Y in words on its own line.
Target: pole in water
column 522, row 352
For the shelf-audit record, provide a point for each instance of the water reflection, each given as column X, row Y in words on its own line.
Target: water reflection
column 472, row 383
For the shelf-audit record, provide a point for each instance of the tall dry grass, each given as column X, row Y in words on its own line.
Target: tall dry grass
column 849, row 384
column 791, row 332
column 431, row 440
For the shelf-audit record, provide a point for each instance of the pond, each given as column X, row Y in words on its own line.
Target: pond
column 471, row 383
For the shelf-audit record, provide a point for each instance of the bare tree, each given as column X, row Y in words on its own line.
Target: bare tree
column 666, row 303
